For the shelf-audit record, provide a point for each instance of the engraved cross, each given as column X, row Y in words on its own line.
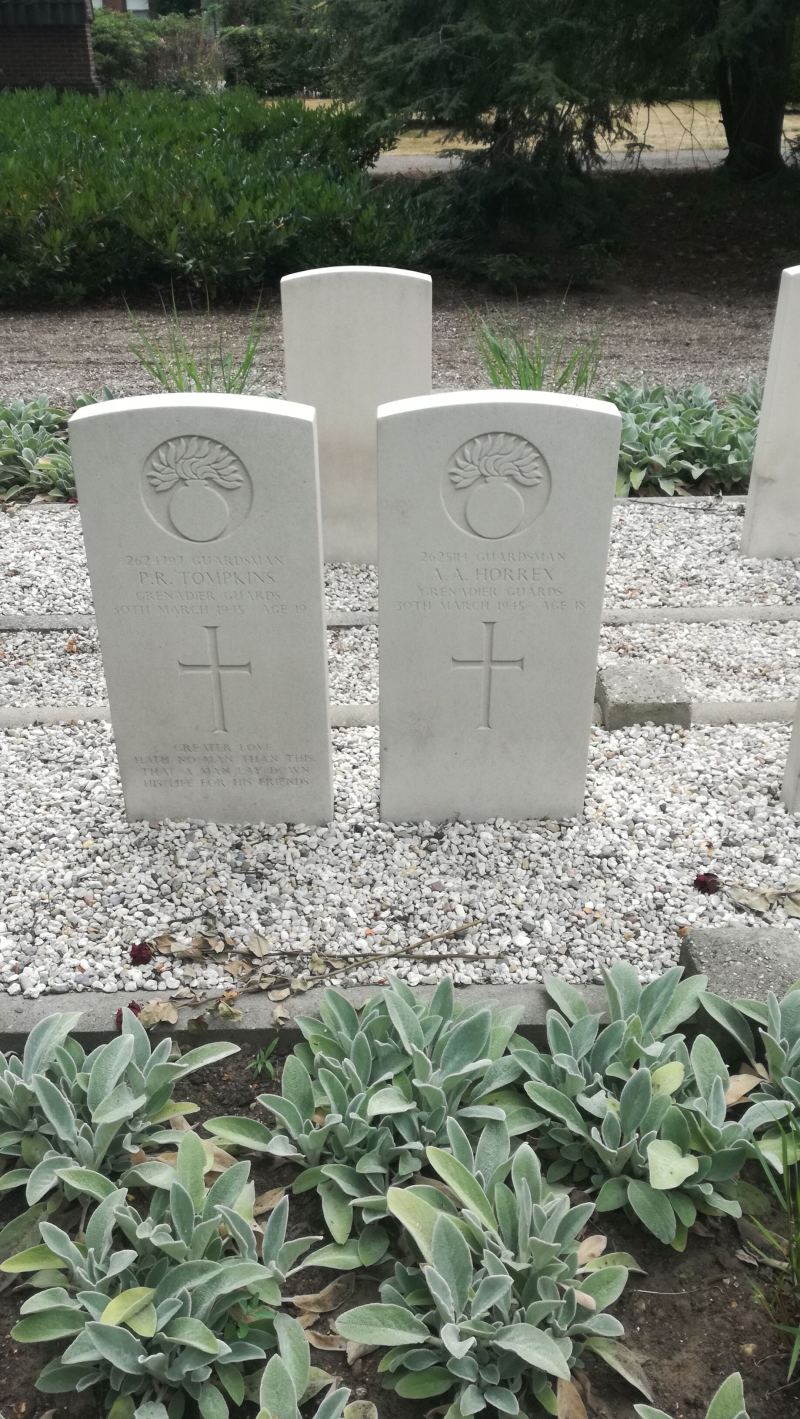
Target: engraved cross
column 488, row 665
column 214, row 667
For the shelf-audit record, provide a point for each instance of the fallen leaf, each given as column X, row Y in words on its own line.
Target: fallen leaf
column 70, row 647
column 164, row 944
column 329, row 1298
column 322, row 1341
column 279, row 993
column 739, row 1086
column 279, row 1015
column 158, row 1012
column 267, row 1200
column 226, row 1011
column 197, row 1024
column 591, row 1247
column 570, row 1404
column 237, row 967
column 307, row 1319
column 356, row 1351
column 259, row 946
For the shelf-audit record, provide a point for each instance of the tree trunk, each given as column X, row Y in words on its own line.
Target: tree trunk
column 753, row 77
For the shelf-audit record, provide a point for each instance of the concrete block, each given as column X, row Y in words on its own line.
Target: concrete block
column 631, row 693
column 743, row 961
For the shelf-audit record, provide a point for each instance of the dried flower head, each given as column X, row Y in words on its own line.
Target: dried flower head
column 707, row 882
column 135, row 1009
column 141, row 953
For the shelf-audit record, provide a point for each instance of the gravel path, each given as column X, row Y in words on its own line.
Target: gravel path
column 78, row 884
column 718, row 336
column 678, row 554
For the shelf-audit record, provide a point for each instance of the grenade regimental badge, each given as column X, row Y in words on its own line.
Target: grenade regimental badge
column 496, row 485
column 196, row 488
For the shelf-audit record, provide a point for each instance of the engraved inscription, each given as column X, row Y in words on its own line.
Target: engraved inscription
column 196, row 489
column 216, row 669
column 487, row 665
column 495, row 486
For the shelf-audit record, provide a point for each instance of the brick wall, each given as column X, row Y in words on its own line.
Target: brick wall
column 34, row 55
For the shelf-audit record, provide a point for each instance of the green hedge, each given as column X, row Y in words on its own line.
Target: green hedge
column 218, row 192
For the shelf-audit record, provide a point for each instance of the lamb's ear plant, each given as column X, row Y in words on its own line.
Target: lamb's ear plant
column 505, row 1299
column 728, row 1403
column 289, row 1380
column 60, row 1107
column 629, row 1113
column 365, row 1093
column 771, row 1071
column 151, row 1302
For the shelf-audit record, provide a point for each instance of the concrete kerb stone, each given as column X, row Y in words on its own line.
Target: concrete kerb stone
column 743, row 962
column 98, row 1008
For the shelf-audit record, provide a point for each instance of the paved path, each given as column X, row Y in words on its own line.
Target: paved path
column 656, row 159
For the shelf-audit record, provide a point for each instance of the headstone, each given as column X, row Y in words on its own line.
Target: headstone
column 791, row 778
column 354, row 337
column 200, row 515
column 772, row 514
column 495, row 515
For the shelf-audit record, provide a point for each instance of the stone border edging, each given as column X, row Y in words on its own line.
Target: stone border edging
column 763, row 956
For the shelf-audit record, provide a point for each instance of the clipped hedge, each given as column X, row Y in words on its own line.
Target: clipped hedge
column 218, row 192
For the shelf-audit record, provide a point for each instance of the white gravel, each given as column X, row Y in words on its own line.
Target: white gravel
column 78, row 884
column 681, row 553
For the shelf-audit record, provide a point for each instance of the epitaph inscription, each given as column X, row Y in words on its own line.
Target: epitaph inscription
column 210, row 608
column 492, row 561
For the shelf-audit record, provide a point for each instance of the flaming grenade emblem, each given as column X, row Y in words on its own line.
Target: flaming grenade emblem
column 500, row 469
column 202, row 479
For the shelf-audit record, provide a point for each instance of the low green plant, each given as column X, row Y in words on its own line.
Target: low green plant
column 290, row 1380
column 365, row 1094
column 183, row 362
column 35, row 459
column 780, row 1297
column 675, row 439
column 629, row 1112
column 504, row 1302
column 154, row 1321
column 728, row 1403
column 541, row 361
column 261, row 1065
column 773, row 1057
column 60, row 1107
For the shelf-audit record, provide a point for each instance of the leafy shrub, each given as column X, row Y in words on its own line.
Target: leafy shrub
column 672, row 438
column 365, row 1094
column 60, row 1107
column 35, row 460
column 278, row 58
column 728, row 1403
column 158, row 1317
column 218, row 193
column 629, row 1112
column 174, row 52
column 772, row 1060
column 503, row 1302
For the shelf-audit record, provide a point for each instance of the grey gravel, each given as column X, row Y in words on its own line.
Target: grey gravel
column 78, row 884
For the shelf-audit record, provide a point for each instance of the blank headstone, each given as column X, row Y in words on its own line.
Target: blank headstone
column 495, row 515
column 200, row 515
column 772, row 514
column 791, row 778
column 354, row 337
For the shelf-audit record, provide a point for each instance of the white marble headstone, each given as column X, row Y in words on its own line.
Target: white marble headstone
column 200, row 515
column 354, row 337
column 772, row 515
column 495, row 515
column 791, row 778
